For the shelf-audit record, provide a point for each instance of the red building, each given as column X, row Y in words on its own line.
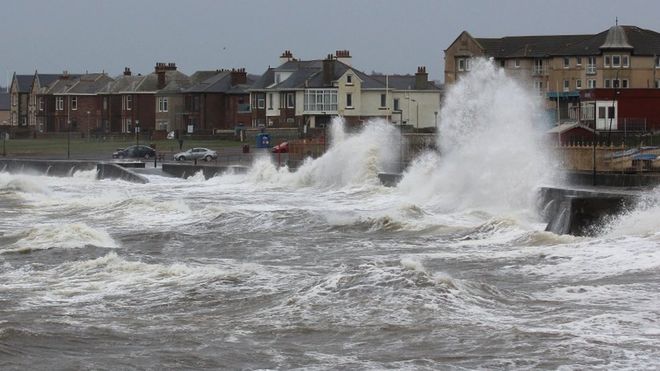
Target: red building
column 621, row 109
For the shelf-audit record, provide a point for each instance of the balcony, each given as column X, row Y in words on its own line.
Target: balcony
column 591, row 69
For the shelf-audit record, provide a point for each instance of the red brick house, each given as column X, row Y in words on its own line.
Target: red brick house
column 220, row 102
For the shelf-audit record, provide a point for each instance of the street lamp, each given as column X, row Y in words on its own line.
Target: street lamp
column 137, row 132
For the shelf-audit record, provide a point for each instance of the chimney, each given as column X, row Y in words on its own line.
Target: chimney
column 65, row 75
column 161, row 69
column 421, row 78
column 328, row 70
column 286, row 56
column 344, row 56
column 127, row 71
column 238, row 76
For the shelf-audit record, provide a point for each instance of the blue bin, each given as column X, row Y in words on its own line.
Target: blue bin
column 263, row 140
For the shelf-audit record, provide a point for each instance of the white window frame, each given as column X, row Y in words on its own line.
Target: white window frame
column 461, row 64
column 162, row 104
column 349, row 79
column 74, row 103
column 591, row 83
column 349, row 100
column 290, row 102
column 657, row 84
column 270, row 101
column 616, row 61
column 261, row 103
column 606, row 61
column 578, row 84
column 320, row 100
column 383, row 100
column 59, row 103
column 516, row 63
column 13, row 99
column 578, row 61
column 625, row 61
column 41, row 103
column 567, row 62
column 657, row 61
column 129, row 102
column 607, row 83
column 625, row 83
column 567, row 85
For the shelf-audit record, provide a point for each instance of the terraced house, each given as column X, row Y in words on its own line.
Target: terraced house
column 559, row 66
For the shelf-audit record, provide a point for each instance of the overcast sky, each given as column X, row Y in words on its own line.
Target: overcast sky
column 383, row 36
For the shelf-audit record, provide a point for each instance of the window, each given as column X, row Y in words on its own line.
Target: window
column 74, row 103
column 468, row 64
column 578, row 84
column 610, row 112
column 105, row 103
column 591, row 83
column 626, row 61
column 624, row 83
column 349, row 79
column 41, row 103
column 616, row 61
column 578, row 61
column 567, row 62
column 321, row 100
column 601, row 112
column 657, row 62
column 461, row 64
column 396, row 103
column 657, row 84
column 59, row 103
column 516, row 63
column 349, row 100
column 538, row 86
column 13, row 99
column 290, row 101
column 383, row 100
column 607, row 61
column 270, row 101
column 129, row 103
column 608, row 83
column 616, row 83
column 261, row 103
column 567, row 85
column 162, row 104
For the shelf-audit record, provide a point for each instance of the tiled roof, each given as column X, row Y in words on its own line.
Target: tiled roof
column 220, row 83
column 46, row 79
column 142, row 84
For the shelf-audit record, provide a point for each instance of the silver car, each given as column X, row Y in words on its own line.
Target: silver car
column 196, row 154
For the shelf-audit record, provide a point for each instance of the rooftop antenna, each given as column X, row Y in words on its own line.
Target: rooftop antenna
column 616, row 21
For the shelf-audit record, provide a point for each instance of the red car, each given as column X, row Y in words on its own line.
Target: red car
column 281, row 148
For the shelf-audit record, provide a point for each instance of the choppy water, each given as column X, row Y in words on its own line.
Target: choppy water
column 321, row 269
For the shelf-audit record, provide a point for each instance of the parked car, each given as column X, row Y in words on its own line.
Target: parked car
column 281, row 148
column 196, row 154
column 135, row 151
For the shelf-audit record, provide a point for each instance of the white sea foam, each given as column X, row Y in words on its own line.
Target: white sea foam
column 68, row 236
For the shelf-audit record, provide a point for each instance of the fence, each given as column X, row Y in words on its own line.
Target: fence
column 580, row 157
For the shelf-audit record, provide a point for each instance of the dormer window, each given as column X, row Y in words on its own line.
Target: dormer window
column 349, row 79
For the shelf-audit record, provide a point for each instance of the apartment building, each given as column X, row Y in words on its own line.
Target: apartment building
column 560, row 66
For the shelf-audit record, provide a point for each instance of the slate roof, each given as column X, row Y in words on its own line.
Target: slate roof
column 61, row 85
column 309, row 74
column 45, row 79
column 91, row 83
column 142, row 84
column 5, row 100
column 24, row 83
column 221, row 83
column 403, row 82
column 642, row 41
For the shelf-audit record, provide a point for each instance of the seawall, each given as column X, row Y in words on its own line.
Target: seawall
column 209, row 171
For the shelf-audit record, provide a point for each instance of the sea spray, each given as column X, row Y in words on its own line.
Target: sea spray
column 492, row 155
column 353, row 159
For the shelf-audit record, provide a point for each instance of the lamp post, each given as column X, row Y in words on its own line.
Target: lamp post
column 137, row 132
column 68, row 139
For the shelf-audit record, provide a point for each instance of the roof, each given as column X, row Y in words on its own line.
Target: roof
column 220, row 82
column 61, row 85
column 562, row 128
column 403, row 82
column 91, row 83
column 641, row 41
column 24, row 83
column 309, row 74
column 46, row 79
column 4, row 101
column 143, row 84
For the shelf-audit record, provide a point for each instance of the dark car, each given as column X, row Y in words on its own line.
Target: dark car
column 135, row 151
